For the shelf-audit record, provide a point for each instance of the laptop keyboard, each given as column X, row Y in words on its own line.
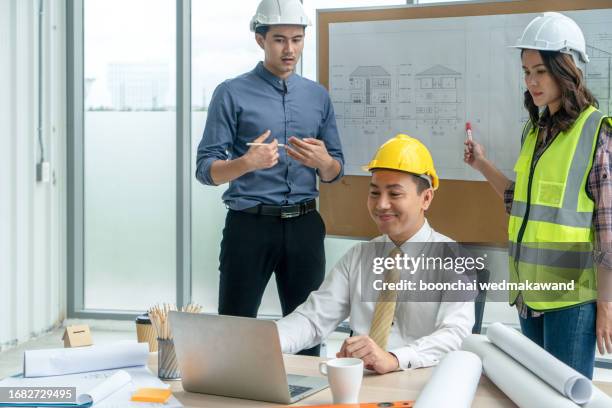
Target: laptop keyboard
column 295, row 390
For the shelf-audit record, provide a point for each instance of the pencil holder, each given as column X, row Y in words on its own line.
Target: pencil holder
column 167, row 364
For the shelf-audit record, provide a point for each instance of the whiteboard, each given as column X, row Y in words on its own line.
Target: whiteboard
column 428, row 77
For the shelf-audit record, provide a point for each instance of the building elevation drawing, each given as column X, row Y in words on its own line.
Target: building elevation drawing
column 427, row 77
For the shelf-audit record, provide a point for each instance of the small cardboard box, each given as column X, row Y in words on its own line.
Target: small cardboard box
column 77, row 336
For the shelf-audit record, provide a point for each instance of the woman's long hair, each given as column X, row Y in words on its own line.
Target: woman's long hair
column 575, row 97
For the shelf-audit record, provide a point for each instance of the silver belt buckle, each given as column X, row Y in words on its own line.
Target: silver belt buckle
column 290, row 214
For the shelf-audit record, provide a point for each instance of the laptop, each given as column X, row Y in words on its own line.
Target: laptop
column 236, row 357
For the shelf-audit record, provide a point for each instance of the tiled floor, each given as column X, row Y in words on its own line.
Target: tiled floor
column 11, row 360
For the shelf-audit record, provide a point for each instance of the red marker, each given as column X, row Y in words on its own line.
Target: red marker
column 468, row 130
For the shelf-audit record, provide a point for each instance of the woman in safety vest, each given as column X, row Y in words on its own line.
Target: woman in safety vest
column 560, row 206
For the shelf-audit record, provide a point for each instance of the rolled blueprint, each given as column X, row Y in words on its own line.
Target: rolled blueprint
column 522, row 386
column 458, row 375
column 558, row 375
column 41, row 363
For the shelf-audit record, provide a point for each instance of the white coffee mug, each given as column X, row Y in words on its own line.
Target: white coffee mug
column 344, row 376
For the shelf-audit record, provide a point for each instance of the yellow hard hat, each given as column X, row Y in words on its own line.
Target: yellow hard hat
column 407, row 154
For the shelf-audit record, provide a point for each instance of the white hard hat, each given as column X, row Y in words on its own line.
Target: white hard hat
column 277, row 12
column 555, row 32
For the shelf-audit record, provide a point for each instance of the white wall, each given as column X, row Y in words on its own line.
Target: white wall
column 32, row 215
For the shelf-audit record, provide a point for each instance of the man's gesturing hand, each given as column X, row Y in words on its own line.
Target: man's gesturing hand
column 262, row 157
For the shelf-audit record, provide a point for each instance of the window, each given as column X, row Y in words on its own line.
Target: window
column 129, row 153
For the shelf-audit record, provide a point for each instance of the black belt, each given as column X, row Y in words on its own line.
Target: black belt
column 283, row 211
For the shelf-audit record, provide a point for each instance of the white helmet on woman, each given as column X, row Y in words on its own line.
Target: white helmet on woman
column 277, row 12
column 555, row 32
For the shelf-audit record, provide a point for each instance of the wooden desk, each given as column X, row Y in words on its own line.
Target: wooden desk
column 375, row 388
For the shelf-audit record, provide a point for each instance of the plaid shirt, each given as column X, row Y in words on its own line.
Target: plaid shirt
column 599, row 188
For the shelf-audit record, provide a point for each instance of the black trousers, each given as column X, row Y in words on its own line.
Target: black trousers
column 254, row 246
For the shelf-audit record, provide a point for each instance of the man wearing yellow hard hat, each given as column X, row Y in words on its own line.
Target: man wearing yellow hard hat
column 410, row 334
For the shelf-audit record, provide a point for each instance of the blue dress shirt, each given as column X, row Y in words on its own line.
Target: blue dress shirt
column 243, row 108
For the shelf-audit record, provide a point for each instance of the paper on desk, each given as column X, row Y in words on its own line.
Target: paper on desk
column 453, row 382
column 40, row 363
column 141, row 377
column 89, row 391
column 106, row 388
column 522, row 386
column 558, row 375
column 599, row 400
column 97, row 386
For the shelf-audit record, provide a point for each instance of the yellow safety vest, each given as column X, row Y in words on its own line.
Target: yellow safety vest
column 550, row 227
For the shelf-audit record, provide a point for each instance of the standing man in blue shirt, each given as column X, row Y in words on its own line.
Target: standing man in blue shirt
column 272, row 223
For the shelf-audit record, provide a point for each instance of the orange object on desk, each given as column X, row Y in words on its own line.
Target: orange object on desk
column 160, row 395
column 396, row 404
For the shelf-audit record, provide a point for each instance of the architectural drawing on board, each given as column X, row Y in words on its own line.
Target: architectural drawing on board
column 437, row 96
column 598, row 72
column 370, row 97
column 434, row 74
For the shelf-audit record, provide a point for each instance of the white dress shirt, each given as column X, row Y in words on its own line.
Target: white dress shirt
column 421, row 334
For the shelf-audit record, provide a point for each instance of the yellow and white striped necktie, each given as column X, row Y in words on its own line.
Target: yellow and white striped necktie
column 385, row 307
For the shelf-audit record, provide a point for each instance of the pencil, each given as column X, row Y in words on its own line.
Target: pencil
column 263, row 144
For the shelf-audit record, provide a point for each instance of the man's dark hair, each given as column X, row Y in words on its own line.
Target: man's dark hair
column 421, row 183
column 262, row 30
